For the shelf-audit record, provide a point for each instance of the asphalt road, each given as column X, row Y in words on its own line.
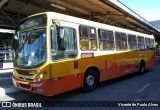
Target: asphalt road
column 134, row 87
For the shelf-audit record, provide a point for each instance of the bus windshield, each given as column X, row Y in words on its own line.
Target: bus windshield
column 31, row 48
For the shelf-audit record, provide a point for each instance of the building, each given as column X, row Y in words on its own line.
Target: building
column 156, row 23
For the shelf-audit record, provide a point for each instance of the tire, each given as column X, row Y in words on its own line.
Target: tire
column 90, row 80
column 142, row 68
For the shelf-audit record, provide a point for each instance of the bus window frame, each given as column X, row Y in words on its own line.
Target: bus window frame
column 121, row 41
column 141, row 42
column 76, row 41
column 132, row 42
column 100, row 29
column 97, row 43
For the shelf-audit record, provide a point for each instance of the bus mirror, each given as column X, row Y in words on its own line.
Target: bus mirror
column 61, row 33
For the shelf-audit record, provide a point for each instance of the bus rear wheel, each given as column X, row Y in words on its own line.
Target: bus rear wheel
column 90, row 80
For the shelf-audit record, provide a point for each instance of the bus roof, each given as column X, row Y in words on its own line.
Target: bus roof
column 68, row 18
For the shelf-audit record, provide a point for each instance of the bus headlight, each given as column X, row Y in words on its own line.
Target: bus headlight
column 41, row 76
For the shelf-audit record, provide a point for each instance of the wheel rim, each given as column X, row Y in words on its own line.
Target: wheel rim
column 90, row 80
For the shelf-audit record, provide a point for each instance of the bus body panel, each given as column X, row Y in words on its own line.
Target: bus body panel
column 150, row 58
column 65, row 76
column 43, row 88
column 62, row 79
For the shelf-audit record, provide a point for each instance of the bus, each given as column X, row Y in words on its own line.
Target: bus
column 56, row 53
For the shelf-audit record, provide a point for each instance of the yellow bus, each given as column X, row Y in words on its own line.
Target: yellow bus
column 56, row 53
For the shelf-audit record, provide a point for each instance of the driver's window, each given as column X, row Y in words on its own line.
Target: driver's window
column 54, row 38
column 68, row 41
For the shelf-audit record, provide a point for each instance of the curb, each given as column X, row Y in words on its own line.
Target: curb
column 10, row 90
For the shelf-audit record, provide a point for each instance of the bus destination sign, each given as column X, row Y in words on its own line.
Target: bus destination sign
column 33, row 21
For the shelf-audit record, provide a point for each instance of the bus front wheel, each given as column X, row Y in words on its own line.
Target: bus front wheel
column 90, row 80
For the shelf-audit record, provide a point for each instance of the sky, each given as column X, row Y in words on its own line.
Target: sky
column 148, row 9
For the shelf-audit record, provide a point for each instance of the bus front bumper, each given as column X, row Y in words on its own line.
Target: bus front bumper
column 42, row 88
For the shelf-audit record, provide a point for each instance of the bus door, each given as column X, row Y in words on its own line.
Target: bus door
column 64, row 66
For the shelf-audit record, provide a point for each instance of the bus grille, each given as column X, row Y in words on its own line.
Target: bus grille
column 26, row 86
column 23, row 72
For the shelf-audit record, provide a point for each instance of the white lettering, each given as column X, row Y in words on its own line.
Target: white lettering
column 124, row 104
column 153, row 105
column 19, row 104
column 34, row 105
column 141, row 105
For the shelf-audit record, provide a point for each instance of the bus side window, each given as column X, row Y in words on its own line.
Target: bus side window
column 88, row 39
column 132, row 42
column 121, row 41
column 147, row 43
column 152, row 44
column 141, row 43
column 54, row 45
column 69, row 43
column 106, row 40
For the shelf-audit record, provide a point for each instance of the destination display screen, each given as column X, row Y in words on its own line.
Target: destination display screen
column 33, row 21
